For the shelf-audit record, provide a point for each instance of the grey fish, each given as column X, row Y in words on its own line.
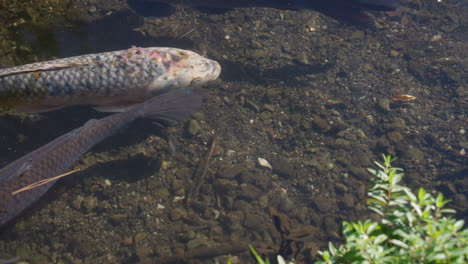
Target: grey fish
column 55, row 157
column 112, row 81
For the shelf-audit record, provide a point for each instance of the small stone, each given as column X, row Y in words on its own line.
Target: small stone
column 269, row 107
column 348, row 200
column 90, row 203
column 235, row 218
column 357, row 35
column 143, row 253
column 341, row 187
column 139, row 237
column 165, row 164
column 384, row 104
column 395, row 137
column 244, row 206
column 198, row 116
column 263, row 163
column 283, row 167
column 197, row 243
column 77, row 202
column 331, row 227
column 323, row 204
column 117, row 218
column 254, row 222
column 286, row 205
column 415, row 154
column 320, row 123
column 250, row 192
column 127, row 241
column 232, row 172
column 177, row 214
column 394, row 53
column 225, row 186
column 193, row 128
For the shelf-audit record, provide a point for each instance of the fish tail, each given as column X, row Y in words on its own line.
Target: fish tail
column 171, row 107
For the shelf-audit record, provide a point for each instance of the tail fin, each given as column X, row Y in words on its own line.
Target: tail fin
column 171, row 107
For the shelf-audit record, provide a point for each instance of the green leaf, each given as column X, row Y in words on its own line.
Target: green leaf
column 257, row 256
column 380, row 238
column 440, row 202
column 439, row 256
column 448, row 211
column 399, row 243
column 416, row 208
column 410, row 195
column 458, row 225
column 421, row 194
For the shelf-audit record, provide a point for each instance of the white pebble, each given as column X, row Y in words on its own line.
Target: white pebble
column 264, row 163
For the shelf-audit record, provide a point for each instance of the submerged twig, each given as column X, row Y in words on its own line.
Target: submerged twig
column 188, row 32
column 206, row 252
column 202, row 169
column 44, row 181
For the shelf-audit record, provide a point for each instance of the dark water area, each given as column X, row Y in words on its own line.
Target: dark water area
column 306, row 90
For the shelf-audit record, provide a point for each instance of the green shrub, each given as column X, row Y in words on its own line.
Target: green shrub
column 413, row 228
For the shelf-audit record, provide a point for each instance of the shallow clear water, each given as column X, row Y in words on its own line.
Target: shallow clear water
column 310, row 92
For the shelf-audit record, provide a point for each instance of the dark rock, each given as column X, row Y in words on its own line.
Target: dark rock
column 143, row 253
column 225, row 186
column 360, row 173
column 286, row 205
column 250, row 192
column 348, row 200
column 90, row 203
column 331, row 227
column 177, row 214
column 254, row 222
column 320, row 123
column 193, row 128
column 283, row 167
column 244, row 206
column 232, row 172
column 323, row 203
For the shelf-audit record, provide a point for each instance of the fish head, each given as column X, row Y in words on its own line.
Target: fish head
column 181, row 68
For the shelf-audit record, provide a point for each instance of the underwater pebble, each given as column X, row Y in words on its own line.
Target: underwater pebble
column 250, row 192
column 193, row 128
column 286, row 205
column 143, row 253
column 348, row 200
column 90, row 203
column 139, row 237
column 254, row 222
column 77, row 202
column 264, row 163
column 197, row 243
column 323, row 204
column 232, row 171
column 177, row 214
column 283, row 167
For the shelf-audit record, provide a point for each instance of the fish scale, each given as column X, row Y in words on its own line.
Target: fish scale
column 107, row 80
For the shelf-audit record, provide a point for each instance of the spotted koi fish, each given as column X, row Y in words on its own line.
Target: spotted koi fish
column 111, row 81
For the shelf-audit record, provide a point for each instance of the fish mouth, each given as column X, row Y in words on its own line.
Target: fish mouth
column 215, row 69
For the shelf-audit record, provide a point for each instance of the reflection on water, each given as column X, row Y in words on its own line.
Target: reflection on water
column 300, row 89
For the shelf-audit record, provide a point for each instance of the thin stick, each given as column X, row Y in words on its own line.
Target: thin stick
column 188, row 32
column 44, row 181
column 202, row 169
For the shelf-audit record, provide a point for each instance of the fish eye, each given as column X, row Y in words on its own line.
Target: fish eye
column 196, row 81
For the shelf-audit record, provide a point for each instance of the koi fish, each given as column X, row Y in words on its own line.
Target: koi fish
column 55, row 157
column 111, row 81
